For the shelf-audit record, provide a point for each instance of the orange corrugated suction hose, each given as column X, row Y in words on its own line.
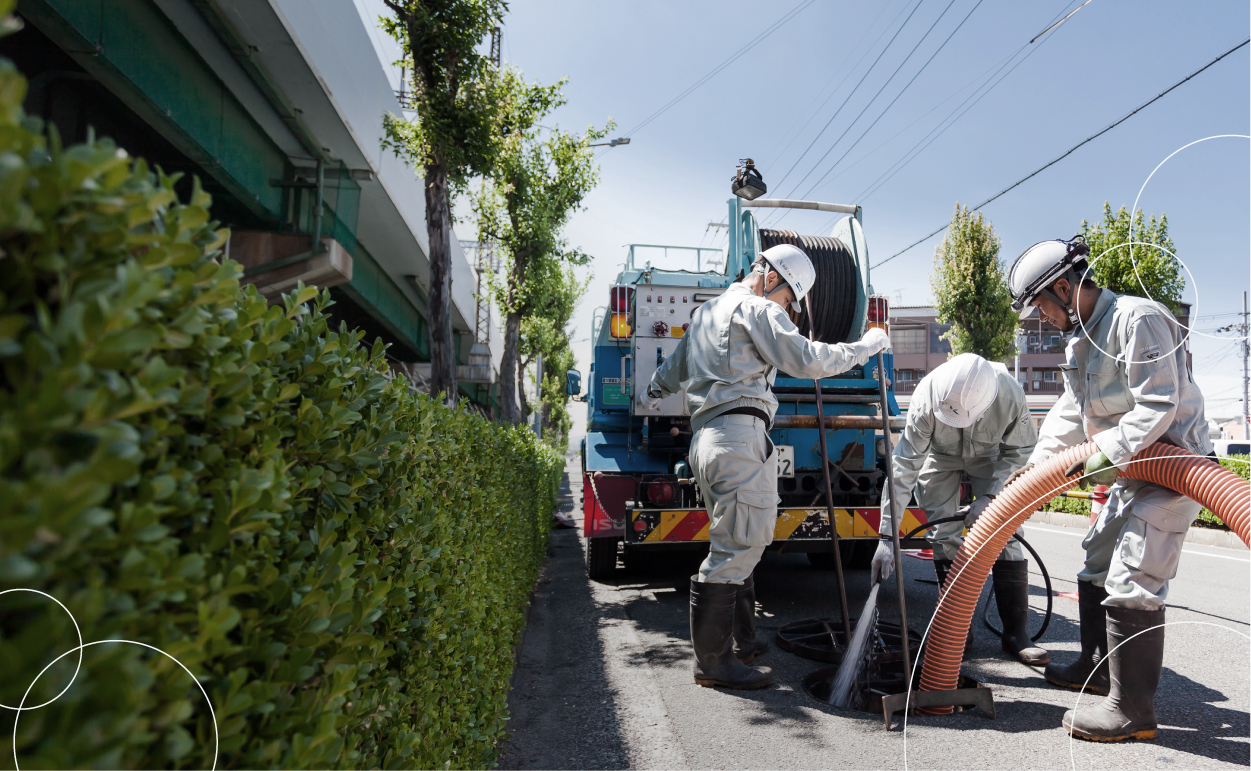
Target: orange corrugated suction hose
column 1221, row 491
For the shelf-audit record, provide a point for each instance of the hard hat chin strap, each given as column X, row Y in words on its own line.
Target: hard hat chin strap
column 1069, row 310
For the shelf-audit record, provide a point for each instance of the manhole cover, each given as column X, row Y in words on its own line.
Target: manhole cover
column 822, row 639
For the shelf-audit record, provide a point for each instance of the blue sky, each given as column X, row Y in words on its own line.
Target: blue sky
column 625, row 60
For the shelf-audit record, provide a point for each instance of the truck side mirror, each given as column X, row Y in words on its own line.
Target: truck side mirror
column 573, row 383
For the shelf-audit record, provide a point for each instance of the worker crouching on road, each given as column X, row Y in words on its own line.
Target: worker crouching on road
column 1126, row 384
column 970, row 416
column 726, row 362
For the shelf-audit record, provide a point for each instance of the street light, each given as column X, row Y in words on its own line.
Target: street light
column 612, row 142
column 747, row 182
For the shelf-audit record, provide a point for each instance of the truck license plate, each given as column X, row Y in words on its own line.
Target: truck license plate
column 786, row 460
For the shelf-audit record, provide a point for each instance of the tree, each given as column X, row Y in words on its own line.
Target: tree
column 539, row 180
column 971, row 289
column 456, row 134
column 1147, row 271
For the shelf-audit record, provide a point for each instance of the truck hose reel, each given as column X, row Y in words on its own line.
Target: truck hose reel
column 1221, row 491
column 833, row 295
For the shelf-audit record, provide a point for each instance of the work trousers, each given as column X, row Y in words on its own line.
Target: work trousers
column 938, row 492
column 1134, row 546
column 736, row 467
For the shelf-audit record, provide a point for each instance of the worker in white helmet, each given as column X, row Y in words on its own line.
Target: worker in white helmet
column 1127, row 384
column 726, row 362
column 968, row 415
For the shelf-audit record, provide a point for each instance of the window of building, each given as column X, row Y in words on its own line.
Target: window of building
column 1053, row 343
column 1049, row 376
column 937, row 343
column 908, row 339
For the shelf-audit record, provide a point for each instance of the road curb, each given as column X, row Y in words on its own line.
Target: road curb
column 1202, row 536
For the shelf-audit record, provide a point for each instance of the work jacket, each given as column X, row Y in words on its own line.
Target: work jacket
column 1126, row 384
column 1002, row 438
column 729, row 356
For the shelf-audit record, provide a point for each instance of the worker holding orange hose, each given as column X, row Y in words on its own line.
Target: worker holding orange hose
column 970, row 416
column 1127, row 385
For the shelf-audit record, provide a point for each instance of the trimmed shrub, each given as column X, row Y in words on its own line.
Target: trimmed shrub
column 343, row 565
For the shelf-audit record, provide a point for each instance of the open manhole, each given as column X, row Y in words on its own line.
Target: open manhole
column 879, row 682
column 822, row 639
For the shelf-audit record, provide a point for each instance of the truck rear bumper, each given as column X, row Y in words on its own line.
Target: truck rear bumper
column 797, row 526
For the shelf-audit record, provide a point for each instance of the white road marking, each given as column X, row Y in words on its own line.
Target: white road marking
column 1062, row 531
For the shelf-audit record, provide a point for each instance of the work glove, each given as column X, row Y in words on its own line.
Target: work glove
column 883, row 564
column 976, row 509
column 1096, row 469
column 875, row 340
column 1018, row 473
column 649, row 401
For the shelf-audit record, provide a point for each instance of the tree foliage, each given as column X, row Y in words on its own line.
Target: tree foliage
column 457, row 133
column 342, row 564
column 1147, row 269
column 971, row 289
column 540, row 178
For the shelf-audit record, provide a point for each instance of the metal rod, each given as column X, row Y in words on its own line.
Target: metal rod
column 857, row 422
column 829, row 497
column 784, row 203
column 894, row 527
column 317, row 210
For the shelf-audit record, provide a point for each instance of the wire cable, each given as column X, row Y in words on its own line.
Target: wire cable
column 886, row 109
column 715, row 70
column 849, row 96
column 1074, row 148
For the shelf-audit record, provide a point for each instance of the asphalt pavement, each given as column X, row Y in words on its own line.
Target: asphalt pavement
column 604, row 674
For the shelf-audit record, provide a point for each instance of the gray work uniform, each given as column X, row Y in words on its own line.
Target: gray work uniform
column 1136, row 390
column 727, row 359
column 930, row 455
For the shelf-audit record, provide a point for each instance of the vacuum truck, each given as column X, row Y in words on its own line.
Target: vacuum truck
column 639, row 495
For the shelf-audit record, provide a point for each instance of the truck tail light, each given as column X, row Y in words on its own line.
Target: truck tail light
column 879, row 313
column 660, row 491
column 620, row 299
column 620, row 325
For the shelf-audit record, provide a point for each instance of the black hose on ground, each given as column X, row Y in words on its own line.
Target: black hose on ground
column 986, row 613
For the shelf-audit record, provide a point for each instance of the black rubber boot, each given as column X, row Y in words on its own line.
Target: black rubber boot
column 1134, row 667
column 940, row 571
column 712, row 630
column 1094, row 638
column 747, row 646
column 1012, row 597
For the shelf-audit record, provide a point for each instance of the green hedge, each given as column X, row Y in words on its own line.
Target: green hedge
column 343, row 565
column 1235, row 463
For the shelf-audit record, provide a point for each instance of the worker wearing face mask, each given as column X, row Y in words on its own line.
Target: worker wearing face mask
column 970, row 416
column 1126, row 385
column 726, row 363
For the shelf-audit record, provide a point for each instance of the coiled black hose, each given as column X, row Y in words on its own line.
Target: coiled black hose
column 986, row 613
column 833, row 295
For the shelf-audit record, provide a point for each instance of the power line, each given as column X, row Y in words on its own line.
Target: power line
column 853, row 93
column 865, row 133
column 1074, row 148
column 869, row 104
column 732, row 58
column 815, row 112
column 947, row 122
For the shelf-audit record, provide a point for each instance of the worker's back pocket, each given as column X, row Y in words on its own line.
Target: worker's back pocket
column 755, row 515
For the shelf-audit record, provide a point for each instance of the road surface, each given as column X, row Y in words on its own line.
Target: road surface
column 604, row 680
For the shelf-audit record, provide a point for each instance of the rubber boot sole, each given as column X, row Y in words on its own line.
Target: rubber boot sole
column 1146, row 733
column 1044, row 661
column 1088, row 689
column 733, row 686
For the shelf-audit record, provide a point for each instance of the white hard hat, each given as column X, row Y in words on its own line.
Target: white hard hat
column 794, row 267
column 1042, row 265
column 964, row 388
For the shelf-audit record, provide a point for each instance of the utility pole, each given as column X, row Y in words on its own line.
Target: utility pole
column 1246, row 374
column 495, row 47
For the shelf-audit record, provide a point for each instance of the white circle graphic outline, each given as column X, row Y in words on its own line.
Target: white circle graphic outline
column 1166, row 624
column 1135, row 209
column 956, row 573
column 19, row 708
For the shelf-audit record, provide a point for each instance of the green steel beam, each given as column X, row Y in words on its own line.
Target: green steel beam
column 374, row 291
column 132, row 48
